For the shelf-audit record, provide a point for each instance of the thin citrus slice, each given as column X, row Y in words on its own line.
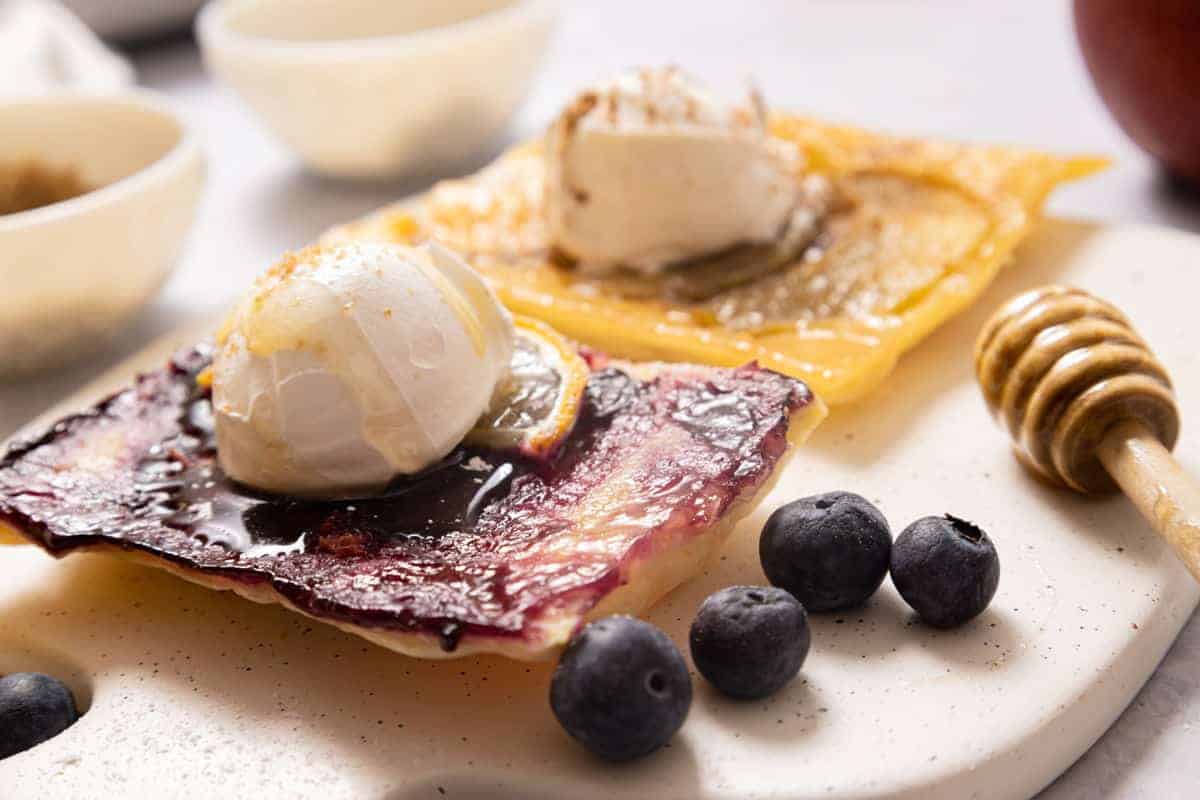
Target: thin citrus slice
column 535, row 408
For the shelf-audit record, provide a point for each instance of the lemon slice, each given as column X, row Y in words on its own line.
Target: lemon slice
column 535, row 407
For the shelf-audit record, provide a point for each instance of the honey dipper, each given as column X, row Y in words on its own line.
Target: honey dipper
column 1089, row 406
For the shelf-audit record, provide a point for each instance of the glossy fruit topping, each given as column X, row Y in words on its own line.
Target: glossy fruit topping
column 490, row 548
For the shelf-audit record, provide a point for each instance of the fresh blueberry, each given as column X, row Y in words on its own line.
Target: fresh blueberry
column 33, row 708
column 946, row 568
column 830, row 550
column 621, row 688
column 749, row 640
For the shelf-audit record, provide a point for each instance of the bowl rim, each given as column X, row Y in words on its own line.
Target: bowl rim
column 185, row 149
column 212, row 31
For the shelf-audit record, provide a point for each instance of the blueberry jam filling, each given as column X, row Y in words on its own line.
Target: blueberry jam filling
column 483, row 544
column 449, row 635
column 187, row 491
column 181, row 485
column 719, row 418
column 608, row 391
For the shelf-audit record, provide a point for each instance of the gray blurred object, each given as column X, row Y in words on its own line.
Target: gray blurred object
column 44, row 47
column 134, row 19
column 428, row 84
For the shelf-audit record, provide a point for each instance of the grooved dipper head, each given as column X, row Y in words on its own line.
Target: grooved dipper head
column 1059, row 367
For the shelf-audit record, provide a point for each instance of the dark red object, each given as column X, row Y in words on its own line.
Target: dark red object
column 1144, row 58
column 477, row 546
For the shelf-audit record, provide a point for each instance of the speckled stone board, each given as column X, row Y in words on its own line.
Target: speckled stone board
column 193, row 692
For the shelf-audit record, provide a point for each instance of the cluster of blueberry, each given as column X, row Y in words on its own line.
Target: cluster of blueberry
column 33, row 708
column 622, row 688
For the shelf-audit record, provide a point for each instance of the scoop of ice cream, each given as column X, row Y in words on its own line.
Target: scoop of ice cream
column 349, row 365
column 650, row 169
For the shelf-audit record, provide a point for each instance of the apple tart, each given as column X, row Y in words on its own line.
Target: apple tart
column 895, row 236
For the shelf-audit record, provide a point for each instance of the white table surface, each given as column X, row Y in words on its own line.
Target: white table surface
column 981, row 70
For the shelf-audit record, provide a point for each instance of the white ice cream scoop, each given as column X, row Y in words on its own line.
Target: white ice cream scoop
column 650, row 169
column 349, row 365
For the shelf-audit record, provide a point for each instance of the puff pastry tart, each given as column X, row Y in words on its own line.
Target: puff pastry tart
column 821, row 251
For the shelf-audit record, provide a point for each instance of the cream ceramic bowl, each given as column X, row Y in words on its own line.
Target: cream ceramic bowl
column 374, row 88
column 73, row 272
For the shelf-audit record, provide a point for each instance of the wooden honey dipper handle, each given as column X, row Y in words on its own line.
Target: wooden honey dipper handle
column 1149, row 475
column 1089, row 406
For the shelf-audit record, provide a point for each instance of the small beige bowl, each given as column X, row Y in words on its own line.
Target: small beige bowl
column 377, row 88
column 73, row 272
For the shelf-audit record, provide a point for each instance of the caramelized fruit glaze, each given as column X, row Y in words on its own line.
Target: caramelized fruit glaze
column 486, row 543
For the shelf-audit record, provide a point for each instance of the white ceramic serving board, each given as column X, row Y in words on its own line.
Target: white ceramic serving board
column 197, row 693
